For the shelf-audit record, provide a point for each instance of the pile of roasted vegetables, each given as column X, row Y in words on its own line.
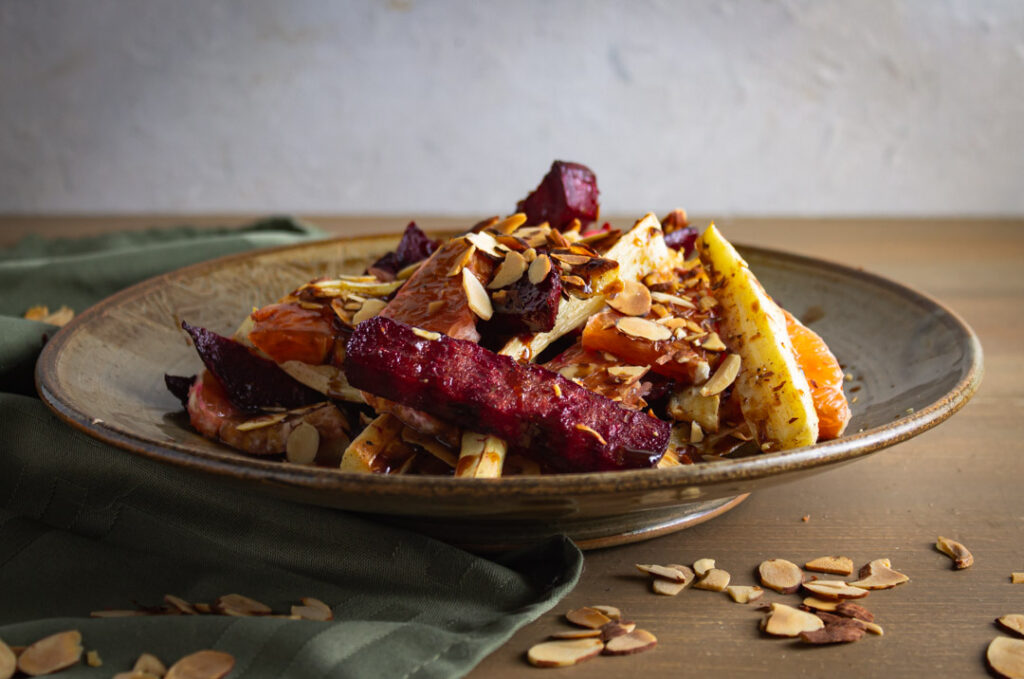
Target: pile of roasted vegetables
column 530, row 344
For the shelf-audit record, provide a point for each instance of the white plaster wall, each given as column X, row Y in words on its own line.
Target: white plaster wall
column 725, row 107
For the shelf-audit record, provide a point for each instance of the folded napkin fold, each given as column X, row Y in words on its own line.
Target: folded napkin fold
column 85, row 527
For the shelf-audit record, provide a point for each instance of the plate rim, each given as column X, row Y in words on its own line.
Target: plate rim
column 239, row 466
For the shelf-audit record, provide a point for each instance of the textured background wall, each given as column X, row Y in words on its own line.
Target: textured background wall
column 726, row 107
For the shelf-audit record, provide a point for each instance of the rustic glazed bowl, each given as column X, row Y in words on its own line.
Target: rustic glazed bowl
column 914, row 363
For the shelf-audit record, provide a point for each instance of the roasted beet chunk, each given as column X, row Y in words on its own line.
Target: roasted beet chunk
column 251, row 382
column 179, row 386
column 568, row 191
column 415, row 246
column 563, row 425
column 525, row 307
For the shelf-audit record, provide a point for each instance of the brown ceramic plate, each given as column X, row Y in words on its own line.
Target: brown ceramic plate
column 913, row 361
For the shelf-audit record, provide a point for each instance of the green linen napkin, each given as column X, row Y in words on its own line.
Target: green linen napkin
column 84, row 526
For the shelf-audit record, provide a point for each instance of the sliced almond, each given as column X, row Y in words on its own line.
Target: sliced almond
column 628, row 374
column 509, row 224
column 643, row 328
column 616, row 628
column 261, row 422
column 539, row 269
column 368, row 310
column 666, row 298
column 119, row 613
column 52, row 653
column 149, row 664
column 786, row 621
column 879, row 575
column 702, row 566
column 744, row 594
column 511, row 270
column 180, row 605
column 849, row 609
column 834, row 633
column 713, row 342
column 724, row 376
column 202, row 665
column 834, row 565
column 435, row 306
column 426, row 334
column 696, row 433
column 563, row 653
column 485, row 242
column 666, row 572
column 781, row 575
column 633, row 300
column 821, row 604
column 587, row 617
column 636, row 641
column 715, row 580
column 611, row 611
column 1017, row 578
column 92, row 659
column 313, row 609
column 302, row 444
column 874, row 628
column 961, row 556
column 577, row 634
column 241, row 606
column 1006, row 656
column 8, row 661
column 476, row 296
column 1013, row 622
column 834, row 589
column 667, row 587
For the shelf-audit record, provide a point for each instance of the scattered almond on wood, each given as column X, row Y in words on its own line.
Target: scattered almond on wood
column 702, row 566
column 634, row 642
column 879, row 574
column 833, row 565
column 961, row 556
column 786, row 621
column 780, row 575
column 1017, row 578
column 587, row 617
column 563, row 653
column 715, row 580
column 1006, row 657
column 578, row 634
column 834, row 589
column 665, row 572
column 744, row 594
column 1013, row 622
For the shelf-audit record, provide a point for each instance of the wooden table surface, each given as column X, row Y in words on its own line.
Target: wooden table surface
column 963, row 479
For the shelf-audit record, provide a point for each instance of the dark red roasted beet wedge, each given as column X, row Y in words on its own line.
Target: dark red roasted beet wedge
column 563, row 425
column 179, row 386
column 684, row 239
column 414, row 247
column 250, row 381
column 567, row 192
column 525, row 307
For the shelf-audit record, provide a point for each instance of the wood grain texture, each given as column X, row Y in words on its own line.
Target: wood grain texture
column 964, row 480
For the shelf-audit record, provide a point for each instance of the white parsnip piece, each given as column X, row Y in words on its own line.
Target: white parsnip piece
column 640, row 250
column 481, row 456
column 382, row 435
column 775, row 396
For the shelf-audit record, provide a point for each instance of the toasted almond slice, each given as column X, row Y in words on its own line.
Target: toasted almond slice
column 261, row 422
column 713, row 342
column 666, row 572
column 119, row 613
column 239, row 605
column 539, row 269
column 643, row 328
column 667, row 587
column 636, row 641
column 628, row 374
column 369, row 309
column 508, row 224
column 819, row 604
column 834, row 565
column 834, row 589
column 202, row 665
column 476, row 296
column 149, row 664
column 587, row 617
column 8, row 661
column 849, row 609
column 633, row 300
column 1006, row 656
column 302, row 444
column 52, row 653
column 879, row 575
column 696, row 433
column 313, row 609
column 724, row 376
column 426, row 334
column 610, row 611
column 92, row 659
column 1017, row 578
column 702, row 566
column 563, row 653
column 786, row 621
column 744, row 594
column 180, row 604
column 666, row 298
column 961, row 556
column 1013, row 622
column 203, row 609
column 781, row 575
column 715, row 580
column 874, row 628
column 577, row 634
column 511, row 270
column 616, row 628
column 834, row 633
column 485, row 243
column 571, row 259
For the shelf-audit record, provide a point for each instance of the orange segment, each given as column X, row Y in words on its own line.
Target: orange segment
column 288, row 332
column 674, row 358
column 824, row 375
